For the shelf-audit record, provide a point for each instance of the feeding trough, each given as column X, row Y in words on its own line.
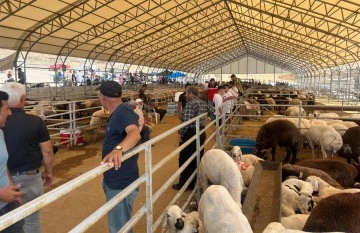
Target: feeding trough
column 247, row 145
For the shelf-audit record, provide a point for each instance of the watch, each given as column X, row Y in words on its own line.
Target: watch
column 118, row 147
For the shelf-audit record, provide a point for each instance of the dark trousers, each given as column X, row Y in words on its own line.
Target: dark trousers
column 162, row 112
column 186, row 153
column 145, row 134
column 16, row 227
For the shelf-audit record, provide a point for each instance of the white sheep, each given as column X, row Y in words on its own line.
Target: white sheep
column 276, row 227
column 246, row 171
column 324, row 189
column 294, row 111
column 316, row 122
column 326, row 137
column 95, row 119
column 250, row 159
column 218, row 167
column 296, row 197
column 348, row 124
column 295, row 222
column 295, row 102
column 331, row 122
column 327, row 116
column 340, row 128
column 235, row 153
column 178, row 221
column 219, row 212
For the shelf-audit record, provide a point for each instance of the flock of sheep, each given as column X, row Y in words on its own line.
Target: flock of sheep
column 317, row 195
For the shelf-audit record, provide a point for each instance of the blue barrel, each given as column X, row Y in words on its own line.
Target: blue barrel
column 247, row 145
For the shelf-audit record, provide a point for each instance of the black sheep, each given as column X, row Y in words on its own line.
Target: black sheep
column 339, row 212
column 281, row 133
column 351, row 144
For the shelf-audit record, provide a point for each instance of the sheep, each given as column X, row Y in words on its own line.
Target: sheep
column 339, row 212
column 294, row 111
column 351, row 144
column 296, row 197
column 326, row 137
column 180, row 222
column 295, row 222
column 316, row 122
column 219, row 212
column 43, row 108
column 276, row 227
column 340, row 128
column 279, row 133
column 218, row 168
column 324, row 189
column 302, row 173
column 331, row 122
column 348, row 124
column 295, row 102
column 246, row 171
column 235, row 153
column 327, row 116
column 272, row 102
column 250, row 159
column 303, row 126
column 345, row 174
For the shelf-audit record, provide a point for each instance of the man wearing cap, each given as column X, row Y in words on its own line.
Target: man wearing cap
column 122, row 134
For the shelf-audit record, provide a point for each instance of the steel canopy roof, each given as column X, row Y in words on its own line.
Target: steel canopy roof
column 192, row 36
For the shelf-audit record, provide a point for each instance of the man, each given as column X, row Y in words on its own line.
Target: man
column 143, row 128
column 193, row 108
column 10, row 196
column 230, row 96
column 121, row 135
column 28, row 143
column 182, row 101
column 237, row 84
column 10, row 78
column 210, row 92
column 21, row 76
column 218, row 102
column 145, row 99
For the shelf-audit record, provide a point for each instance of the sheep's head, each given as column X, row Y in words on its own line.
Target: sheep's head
column 236, row 152
column 308, row 202
column 174, row 217
column 313, row 180
column 192, row 223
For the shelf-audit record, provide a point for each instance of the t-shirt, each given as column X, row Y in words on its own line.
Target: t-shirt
column 23, row 134
column 211, row 93
column 122, row 117
column 218, row 103
column 4, row 179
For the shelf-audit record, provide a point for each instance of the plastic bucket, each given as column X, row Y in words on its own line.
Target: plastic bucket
column 247, row 145
column 65, row 136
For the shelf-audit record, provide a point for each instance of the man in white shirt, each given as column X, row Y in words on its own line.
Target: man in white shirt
column 218, row 101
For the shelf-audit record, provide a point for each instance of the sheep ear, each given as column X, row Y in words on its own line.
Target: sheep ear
column 164, row 222
column 183, row 214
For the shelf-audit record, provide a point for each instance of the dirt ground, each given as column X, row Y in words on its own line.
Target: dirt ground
column 68, row 211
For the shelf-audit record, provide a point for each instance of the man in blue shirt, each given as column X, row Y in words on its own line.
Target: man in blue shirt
column 122, row 134
column 10, row 196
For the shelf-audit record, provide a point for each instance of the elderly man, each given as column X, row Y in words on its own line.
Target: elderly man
column 10, row 196
column 121, row 135
column 194, row 107
column 28, row 143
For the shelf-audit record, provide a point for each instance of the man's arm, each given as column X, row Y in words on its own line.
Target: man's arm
column 132, row 137
column 48, row 158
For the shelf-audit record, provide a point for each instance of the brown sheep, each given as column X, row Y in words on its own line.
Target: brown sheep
column 339, row 212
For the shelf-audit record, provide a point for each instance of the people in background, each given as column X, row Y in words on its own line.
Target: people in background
column 210, row 92
column 194, row 107
column 230, row 96
column 28, row 143
column 218, row 102
column 182, row 101
column 9, row 77
column 237, row 84
column 21, row 76
column 10, row 195
column 121, row 135
column 150, row 104
column 144, row 129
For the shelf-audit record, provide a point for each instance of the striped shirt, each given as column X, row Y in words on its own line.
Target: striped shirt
column 192, row 109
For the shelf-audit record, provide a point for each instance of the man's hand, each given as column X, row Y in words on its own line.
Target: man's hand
column 113, row 159
column 11, row 193
column 47, row 178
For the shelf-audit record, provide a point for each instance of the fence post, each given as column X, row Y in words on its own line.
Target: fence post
column 149, row 194
column 198, row 144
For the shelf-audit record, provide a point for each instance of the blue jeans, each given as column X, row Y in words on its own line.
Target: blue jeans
column 121, row 213
column 32, row 187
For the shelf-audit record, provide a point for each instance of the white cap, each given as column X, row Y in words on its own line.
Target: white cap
column 138, row 100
